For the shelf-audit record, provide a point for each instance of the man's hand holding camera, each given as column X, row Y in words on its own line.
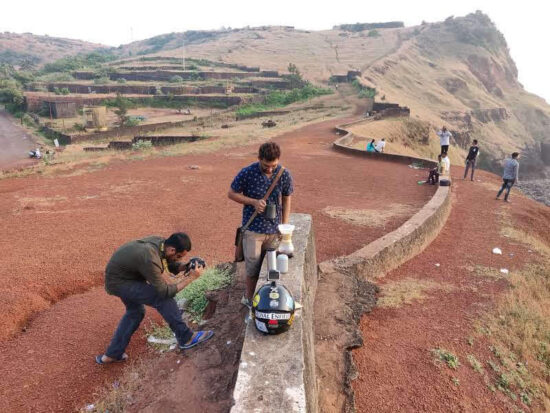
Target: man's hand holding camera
column 190, row 272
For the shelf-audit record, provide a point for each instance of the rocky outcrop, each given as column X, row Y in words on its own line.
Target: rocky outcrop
column 490, row 115
column 492, row 74
column 454, row 84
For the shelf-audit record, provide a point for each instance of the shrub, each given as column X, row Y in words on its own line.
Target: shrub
column 142, row 145
column 121, row 80
column 28, row 120
column 132, row 122
column 364, row 91
column 176, row 79
column 373, row 33
column 195, row 293
column 101, row 80
column 62, row 91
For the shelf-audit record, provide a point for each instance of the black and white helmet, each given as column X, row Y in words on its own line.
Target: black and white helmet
column 273, row 309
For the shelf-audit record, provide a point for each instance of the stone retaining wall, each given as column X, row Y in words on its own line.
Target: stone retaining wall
column 277, row 372
column 384, row 254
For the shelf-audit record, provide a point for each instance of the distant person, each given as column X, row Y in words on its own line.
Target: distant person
column 380, row 145
column 509, row 176
column 444, row 137
column 371, row 147
column 471, row 159
column 35, row 154
column 135, row 274
column 445, row 165
column 433, row 177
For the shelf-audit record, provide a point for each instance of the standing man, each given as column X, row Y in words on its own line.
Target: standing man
column 510, row 175
column 135, row 273
column 248, row 188
column 471, row 159
column 444, row 137
column 380, row 145
column 445, row 165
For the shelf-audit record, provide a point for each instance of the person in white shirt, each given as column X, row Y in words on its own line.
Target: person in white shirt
column 445, row 165
column 380, row 145
column 444, row 137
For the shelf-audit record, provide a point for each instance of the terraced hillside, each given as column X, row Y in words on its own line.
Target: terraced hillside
column 458, row 72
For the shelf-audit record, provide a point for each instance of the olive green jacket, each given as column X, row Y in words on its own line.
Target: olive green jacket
column 138, row 261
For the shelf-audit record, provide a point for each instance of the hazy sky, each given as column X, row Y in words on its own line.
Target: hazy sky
column 111, row 22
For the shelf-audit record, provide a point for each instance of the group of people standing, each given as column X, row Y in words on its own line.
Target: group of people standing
column 509, row 176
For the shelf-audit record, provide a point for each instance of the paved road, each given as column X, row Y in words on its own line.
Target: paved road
column 15, row 142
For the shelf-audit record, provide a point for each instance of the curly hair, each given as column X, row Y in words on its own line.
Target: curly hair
column 269, row 151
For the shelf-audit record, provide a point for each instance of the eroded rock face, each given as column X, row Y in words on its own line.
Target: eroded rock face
column 454, row 84
column 492, row 74
column 490, row 115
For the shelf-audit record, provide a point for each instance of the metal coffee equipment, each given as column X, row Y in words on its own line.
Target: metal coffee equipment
column 270, row 211
column 286, row 246
column 271, row 255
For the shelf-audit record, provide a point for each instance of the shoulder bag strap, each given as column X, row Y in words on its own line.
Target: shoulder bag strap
column 269, row 191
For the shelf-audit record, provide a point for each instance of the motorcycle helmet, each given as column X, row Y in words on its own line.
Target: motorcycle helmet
column 273, row 309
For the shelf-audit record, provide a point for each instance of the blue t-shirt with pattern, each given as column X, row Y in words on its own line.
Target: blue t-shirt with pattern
column 253, row 183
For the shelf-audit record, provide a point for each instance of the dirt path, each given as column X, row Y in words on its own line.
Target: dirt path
column 15, row 143
column 60, row 231
column 396, row 367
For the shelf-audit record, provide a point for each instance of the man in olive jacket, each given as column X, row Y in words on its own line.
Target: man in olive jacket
column 135, row 273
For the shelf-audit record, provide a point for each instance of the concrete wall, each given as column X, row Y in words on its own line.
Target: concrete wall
column 373, row 261
column 277, row 373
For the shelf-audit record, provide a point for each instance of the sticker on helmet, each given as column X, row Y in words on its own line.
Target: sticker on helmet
column 272, row 316
column 261, row 326
column 274, row 303
column 256, row 300
column 274, row 295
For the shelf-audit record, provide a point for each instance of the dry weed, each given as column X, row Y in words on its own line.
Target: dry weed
column 407, row 291
column 369, row 217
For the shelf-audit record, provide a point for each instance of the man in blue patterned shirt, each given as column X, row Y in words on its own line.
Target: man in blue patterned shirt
column 248, row 188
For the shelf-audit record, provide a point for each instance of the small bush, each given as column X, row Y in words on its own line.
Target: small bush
column 142, row 145
column 28, row 120
column 79, row 127
column 176, row 79
column 101, row 80
column 449, row 358
column 132, row 122
column 373, row 33
column 195, row 293
column 121, row 80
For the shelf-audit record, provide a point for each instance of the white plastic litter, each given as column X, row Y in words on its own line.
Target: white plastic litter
column 504, row 270
column 438, row 265
column 167, row 341
column 497, row 251
column 173, row 347
column 90, row 407
column 228, row 342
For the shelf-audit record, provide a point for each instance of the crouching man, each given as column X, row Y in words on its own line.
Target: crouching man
column 135, row 273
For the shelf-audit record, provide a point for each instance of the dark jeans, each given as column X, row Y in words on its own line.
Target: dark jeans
column 472, row 163
column 444, row 149
column 433, row 178
column 508, row 184
column 134, row 295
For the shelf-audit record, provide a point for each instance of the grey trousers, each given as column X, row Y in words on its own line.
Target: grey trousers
column 472, row 163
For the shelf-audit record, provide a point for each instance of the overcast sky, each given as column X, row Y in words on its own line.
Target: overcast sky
column 114, row 22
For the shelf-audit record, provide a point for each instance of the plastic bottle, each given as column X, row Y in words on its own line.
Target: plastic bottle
column 282, row 263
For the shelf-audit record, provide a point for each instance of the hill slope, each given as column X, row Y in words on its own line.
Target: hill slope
column 458, row 72
column 29, row 50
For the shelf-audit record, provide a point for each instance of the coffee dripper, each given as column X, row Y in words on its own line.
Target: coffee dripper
column 286, row 246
